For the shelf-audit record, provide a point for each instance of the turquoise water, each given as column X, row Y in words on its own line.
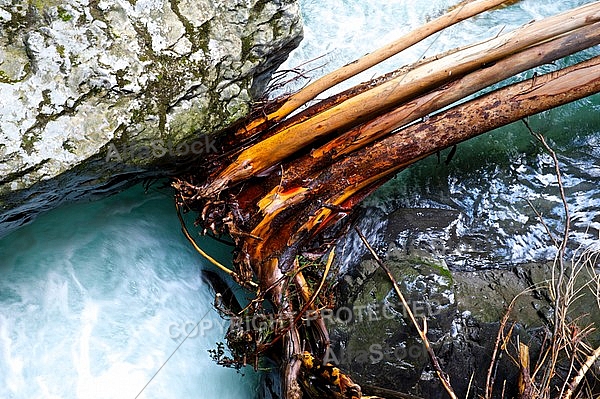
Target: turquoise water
column 95, row 297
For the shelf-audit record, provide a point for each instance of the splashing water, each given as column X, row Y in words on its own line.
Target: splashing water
column 95, row 297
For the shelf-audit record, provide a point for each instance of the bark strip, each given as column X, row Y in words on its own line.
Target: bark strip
column 277, row 196
column 381, row 99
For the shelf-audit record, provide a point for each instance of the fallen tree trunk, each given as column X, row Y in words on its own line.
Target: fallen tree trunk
column 276, row 196
column 377, row 163
column 355, row 110
column 320, row 85
column 420, row 107
column 290, row 214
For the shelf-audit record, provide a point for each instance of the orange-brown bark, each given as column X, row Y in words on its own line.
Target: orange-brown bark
column 277, row 196
column 381, row 99
column 297, row 100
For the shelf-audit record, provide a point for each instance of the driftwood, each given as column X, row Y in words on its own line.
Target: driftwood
column 286, row 184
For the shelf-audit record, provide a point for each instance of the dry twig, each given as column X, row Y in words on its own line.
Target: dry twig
column 422, row 331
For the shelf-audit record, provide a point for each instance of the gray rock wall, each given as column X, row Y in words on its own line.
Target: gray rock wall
column 94, row 92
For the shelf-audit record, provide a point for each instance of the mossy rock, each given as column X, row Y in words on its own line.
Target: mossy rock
column 379, row 343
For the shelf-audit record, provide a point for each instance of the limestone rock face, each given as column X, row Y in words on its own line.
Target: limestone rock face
column 92, row 92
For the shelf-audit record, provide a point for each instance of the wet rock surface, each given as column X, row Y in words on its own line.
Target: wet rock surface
column 374, row 340
column 94, row 93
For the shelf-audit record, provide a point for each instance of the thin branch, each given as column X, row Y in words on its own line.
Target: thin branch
column 561, row 187
column 560, row 294
column 584, row 369
column 489, row 381
column 212, row 260
column 421, row 330
column 543, row 222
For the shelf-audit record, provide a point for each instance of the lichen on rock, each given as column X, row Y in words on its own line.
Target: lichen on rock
column 81, row 79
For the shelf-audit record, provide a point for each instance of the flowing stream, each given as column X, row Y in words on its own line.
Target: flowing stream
column 95, row 297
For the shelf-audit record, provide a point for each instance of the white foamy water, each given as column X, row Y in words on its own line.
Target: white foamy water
column 95, row 297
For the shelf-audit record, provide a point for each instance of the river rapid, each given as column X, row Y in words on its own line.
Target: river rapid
column 96, row 297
